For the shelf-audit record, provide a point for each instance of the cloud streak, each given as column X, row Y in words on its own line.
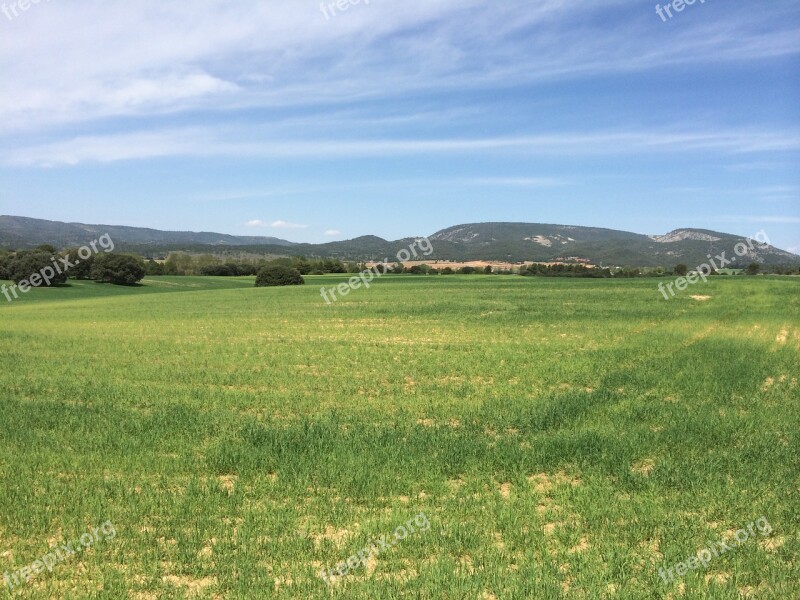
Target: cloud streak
column 223, row 56
column 274, row 224
column 208, row 143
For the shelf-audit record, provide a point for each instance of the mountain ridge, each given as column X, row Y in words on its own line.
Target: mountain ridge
column 498, row 241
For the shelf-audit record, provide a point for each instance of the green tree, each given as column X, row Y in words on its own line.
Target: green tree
column 178, row 263
column 753, row 268
column 33, row 267
column 681, row 269
column 302, row 265
column 218, row 270
column 204, row 261
column 488, row 269
column 81, row 267
column 119, row 269
column 5, row 266
column 152, row 267
column 278, row 275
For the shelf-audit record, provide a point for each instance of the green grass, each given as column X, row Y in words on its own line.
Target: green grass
column 565, row 438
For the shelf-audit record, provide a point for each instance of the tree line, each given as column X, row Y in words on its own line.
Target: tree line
column 129, row 269
column 114, row 268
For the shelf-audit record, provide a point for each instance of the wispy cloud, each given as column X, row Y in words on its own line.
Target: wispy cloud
column 208, row 142
column 333, row 232
column 222, row 56
column 274, row 224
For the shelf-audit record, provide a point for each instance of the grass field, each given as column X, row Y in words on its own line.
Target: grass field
column 563, row 439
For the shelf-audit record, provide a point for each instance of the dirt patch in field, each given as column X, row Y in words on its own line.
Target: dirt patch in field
column 720, row 578
column 193, row 586
column 772, row 544
column 337, row 536
column 701, row 298
column 505, row 491
column 228, row 483
column 582, row 546
column 643, row 467
column 543, row 483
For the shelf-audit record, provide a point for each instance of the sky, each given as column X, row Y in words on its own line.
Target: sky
column 318, row 122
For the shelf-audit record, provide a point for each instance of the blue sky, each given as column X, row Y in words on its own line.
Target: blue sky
column 402, row 118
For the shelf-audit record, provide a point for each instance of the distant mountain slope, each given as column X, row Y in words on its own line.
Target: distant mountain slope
column 21, row 232
column 546, row 243
column 512, row 242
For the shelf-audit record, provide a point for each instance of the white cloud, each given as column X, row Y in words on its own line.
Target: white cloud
column 286, row 225
column 275, row 224
column 333, row 232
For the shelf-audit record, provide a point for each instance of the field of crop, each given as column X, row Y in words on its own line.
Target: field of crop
column 527, row 437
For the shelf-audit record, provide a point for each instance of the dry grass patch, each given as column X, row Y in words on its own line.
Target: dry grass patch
column 505, row 491
column 192, row 586
column 543, row 483
column 720, row 578
column 581, row 547
column 331, row 534
column 228, row 483
column 772, row 544
column 643, row 467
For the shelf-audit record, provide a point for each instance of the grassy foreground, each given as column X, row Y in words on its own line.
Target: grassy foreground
column 564, row 439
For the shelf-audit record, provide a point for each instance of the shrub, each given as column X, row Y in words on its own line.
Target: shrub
column 219, row 270
column 26, row 264
column 152, row 267
column 119, row 269
column 277, row 275
column 5, row 266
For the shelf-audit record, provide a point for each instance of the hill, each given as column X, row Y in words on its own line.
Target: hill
column 22, row 232
column 511, row 242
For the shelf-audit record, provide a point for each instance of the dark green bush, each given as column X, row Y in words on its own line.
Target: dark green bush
column 119, row 269
column 278, row 275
